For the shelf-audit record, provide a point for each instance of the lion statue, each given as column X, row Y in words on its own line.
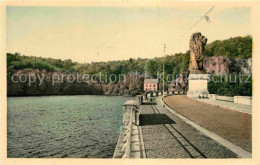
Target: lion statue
column 197, row 49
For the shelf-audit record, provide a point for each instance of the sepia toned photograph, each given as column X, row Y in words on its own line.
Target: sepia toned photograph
column 119, row 82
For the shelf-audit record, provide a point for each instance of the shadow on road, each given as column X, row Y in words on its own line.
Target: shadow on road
column 155, row 119
column 149, row 103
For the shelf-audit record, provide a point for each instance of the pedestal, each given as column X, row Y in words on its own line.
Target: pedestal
column 198, row 85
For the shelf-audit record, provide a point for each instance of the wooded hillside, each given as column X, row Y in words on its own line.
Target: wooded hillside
column 238, row 47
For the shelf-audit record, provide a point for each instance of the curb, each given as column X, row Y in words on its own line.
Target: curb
column 141, row 140
column 232, row 147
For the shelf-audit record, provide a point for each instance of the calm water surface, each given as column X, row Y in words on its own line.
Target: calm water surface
column 64, row 126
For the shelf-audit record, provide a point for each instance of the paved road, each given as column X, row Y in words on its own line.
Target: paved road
column 167, row 136
column 231, row 125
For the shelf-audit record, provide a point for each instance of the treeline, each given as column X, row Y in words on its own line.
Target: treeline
column 174, row 64
column 29, row 82
column 231, row 85
column 237, row 47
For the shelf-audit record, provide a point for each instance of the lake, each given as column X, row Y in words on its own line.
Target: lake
column 64, row 126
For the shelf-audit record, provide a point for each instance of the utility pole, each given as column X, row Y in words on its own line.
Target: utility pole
column 164, row 47
column 204, row 16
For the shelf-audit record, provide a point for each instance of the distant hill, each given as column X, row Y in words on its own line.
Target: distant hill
column 233, row 48
column 237, row 47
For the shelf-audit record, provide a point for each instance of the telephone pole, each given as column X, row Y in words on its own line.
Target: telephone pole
column 164, row 47
column 204, row 16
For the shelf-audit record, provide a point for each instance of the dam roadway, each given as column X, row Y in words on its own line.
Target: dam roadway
column 167, row 136
column 180, row 130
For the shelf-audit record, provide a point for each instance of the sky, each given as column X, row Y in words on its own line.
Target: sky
column 86, row 34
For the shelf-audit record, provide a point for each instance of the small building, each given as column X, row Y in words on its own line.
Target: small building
column 151, row 84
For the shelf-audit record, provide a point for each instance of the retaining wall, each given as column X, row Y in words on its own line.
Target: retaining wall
column 236, row 99
column 243, row 100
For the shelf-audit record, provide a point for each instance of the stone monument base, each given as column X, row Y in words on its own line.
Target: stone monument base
column 198, row 85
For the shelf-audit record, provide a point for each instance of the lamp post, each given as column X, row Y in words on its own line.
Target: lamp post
column 164, row 47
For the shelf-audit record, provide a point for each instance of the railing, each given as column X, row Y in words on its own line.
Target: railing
column 235, row 99
column 130, row 143
column 127, row 147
